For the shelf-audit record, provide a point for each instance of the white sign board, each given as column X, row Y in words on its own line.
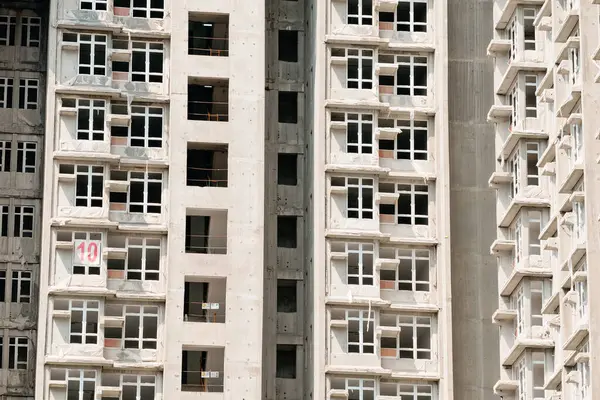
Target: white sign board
column 88, row 252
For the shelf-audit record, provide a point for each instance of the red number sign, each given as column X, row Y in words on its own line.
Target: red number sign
column 87, row 252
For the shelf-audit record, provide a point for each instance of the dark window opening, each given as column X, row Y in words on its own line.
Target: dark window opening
column 195, row 295
column 288, row 107
column 286, row 296
column 287, row 235
column 208, row 35
column 196, row 234
column 287, row 169
column 286, row 362
column 207, row 165
column 288, row 46
column 208, row 101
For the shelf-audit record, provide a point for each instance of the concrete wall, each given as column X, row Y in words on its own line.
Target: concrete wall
column 473, row 228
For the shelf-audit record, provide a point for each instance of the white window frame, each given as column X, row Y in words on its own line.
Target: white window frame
column 28, row 27
column 414, row 323
column 27, row 102
column 414, row 391
column 147, row 113
column 412, row 257
column 411, row 23
column 514, row 103
column 536, row 287
column 138, row 382
column 361, row 251
column 521, row 372
column 6, row 92
column 146, row 179
column 512, row 36
column 529, row 15
column 134, row 243
column 7, row 22
column 585, row 379
column 95, row 5
column 24, row 160
column 5, row 155
column 4, row 213
column 531, row 81
column 79, row 376
column 411, row 61
column 533, row 151
column 361, row 56
column 515, row 166
column 147, row 49
column 366, row 322
column 534, row 245
column 144, row 312
column 96, row 67
column 89, row 172
column 412, row 191
column 14, row 345
column 582, row 299
column 148, row 11
column 361, row 385
column 577, row 150
column 520, row 308
column 87, row 308
column 22, row 295
column 96, row 109
column 539, row 389
column 360, row 18
column 87, row 237
column 22, row 213
column 412, row 127
column 575, row 63
column 580, row 223
column 357, row 122
column 362, row 210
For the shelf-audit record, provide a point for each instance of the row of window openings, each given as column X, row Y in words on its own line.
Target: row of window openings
column 412, row 273
column 28, row 93
column 18, row 352
column 529, row 41
column 410, row 16
column 141, row 262
column 139, row 331
column 410, row 78
column 413, row 341
column 143, row 194
column 82, row 384
column 145, row 65
column 30, row 31
column 531, row 102
column 410, row 143
column 154, row 9
column 411, row 208
column 369, row 389
column 145, row 128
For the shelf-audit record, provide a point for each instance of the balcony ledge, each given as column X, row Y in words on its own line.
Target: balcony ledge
column 563, row 53
column 498, row 46
column 566, row 27
column 515, row 136
column 521, row 344
column 78, row 361
column 499, row 178
column 357, row 370
column 553, row 380
column 572, row 178
column 574, row 256
column 503, row 316
column 505, row 386
column 86, row 156
column 550, row 305
column 550, row 229
column 499, row 113
column 502, row 245
column 575, row 338
column 515, row 206
column 519, row 273
column 509, row 8
column 93, row 223
column 512, row 71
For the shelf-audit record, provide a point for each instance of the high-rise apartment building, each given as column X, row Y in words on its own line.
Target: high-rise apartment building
column 545, row 113
column 22, row 109
column 262, row 200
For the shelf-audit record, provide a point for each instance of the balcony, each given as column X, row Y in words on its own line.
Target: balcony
column 207, row 165
column 202, row 369
column 206, row 231
column 208, row 99
column 208, row 35
column 204, row 300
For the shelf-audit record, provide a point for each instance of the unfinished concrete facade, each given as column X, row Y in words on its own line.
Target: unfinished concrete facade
column 22, row 82
column 546, row 119
column 155, row 113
